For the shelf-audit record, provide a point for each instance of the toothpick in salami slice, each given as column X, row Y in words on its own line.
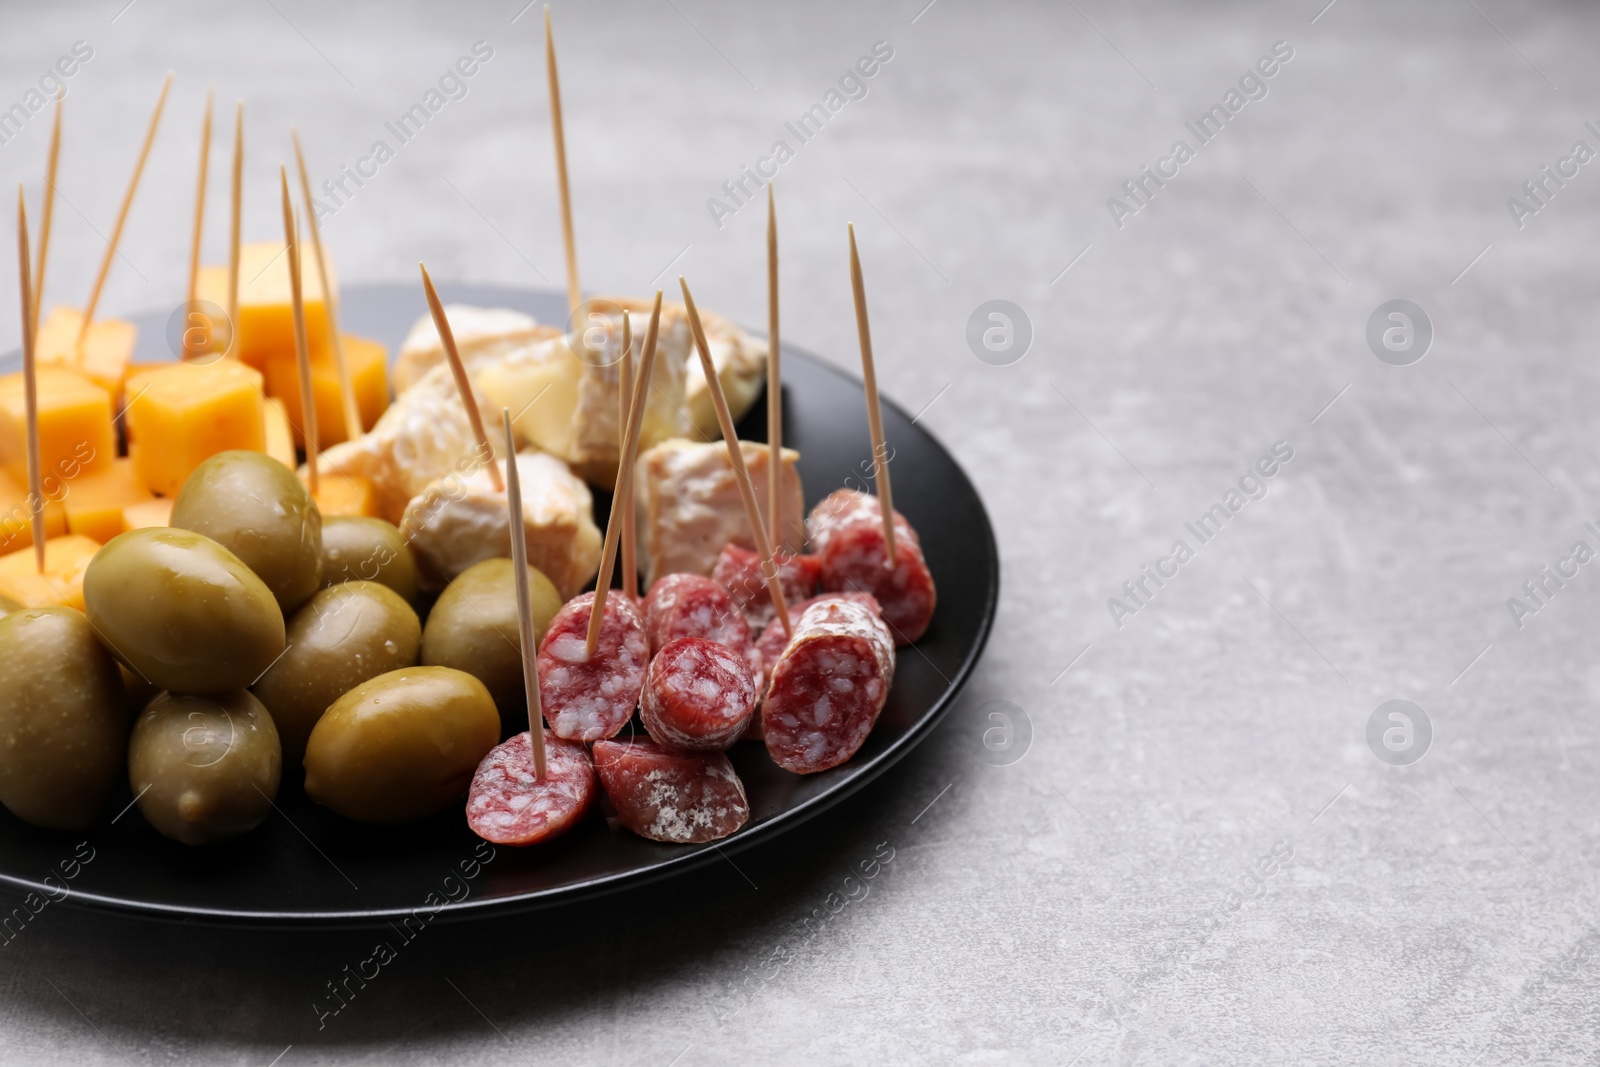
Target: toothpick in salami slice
column 869, row 377
column 308, row 403
column 525, row 626
column 630, row 452
column 774, row 380
column 30, row 383
column 469, row 400
column 680, row 797
column 730, row 439
column 624, row 494
column 122, row 213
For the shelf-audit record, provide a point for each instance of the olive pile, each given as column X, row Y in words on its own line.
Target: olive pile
column 247, row 633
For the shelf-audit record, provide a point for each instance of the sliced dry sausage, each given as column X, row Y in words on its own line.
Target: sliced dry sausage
column 698, row 696
column 508, row 806
column 589, row 698
column 847, row 532
column 681, row 797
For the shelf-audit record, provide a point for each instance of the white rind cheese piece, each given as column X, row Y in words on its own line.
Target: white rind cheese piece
column 597, row 418
column 688, row 505
column 462, row 520
column 483, row 335
column 423, row 436
column 741, row 362
column 538, row 383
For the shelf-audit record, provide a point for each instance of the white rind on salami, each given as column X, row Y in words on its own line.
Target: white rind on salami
column 678, row 797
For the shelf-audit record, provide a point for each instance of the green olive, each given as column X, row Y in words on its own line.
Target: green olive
column 204, row 769
column 356, row 548
column 341, row 638
column 63, row 725
column 256, row 508
column 402, row 745
column 184, row 612
column 7, row 605
column 473, row 628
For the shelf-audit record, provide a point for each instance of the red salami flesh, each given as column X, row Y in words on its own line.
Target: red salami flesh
column 698, row 696
column 828, row 686
column 507, row 806
column 739, row 571
column 587, row 699
column 692, row 605
column 847, row 531
column 681, row 797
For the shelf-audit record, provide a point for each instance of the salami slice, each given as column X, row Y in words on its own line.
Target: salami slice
column 587, row 699
column 681, row 797
column 828, row 686
column 773, row 640
column 698, row 696
column 847, row 530
column 692, row 605
column 739, row 571
column 507, row 806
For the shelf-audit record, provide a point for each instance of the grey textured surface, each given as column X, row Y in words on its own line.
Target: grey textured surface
column 1074, row 906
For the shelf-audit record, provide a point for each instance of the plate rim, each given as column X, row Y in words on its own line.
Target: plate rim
column 471, row 908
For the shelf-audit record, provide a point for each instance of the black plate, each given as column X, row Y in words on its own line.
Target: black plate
column 307, row 867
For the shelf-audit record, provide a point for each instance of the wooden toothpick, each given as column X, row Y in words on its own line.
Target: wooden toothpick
column 48, row 215
column 624, row 494
column 122, row 213
column 730, row 438
column 347, row 393
column 200, row 204
column 774, row 381
column 574, row 297
column 233, row 227
column 302, row 353
column 30, row 385
column 463, row 384
column 630, row 451
column 869, row 376
column 525, row 630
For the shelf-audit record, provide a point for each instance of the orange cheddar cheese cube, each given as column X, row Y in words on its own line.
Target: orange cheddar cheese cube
column 280, row 438
column 266, row 317
column 61, row 584
column 94, row 503
column 16, row 518
column 156, row 511
column 369, row 379
column 342, row 494
column 75, row 434
column 103, row 358
column 188, row 412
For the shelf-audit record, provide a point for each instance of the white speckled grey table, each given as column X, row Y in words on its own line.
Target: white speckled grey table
column 1198, row 858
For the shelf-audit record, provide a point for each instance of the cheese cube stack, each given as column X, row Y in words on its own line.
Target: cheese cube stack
column 266, row 315
column 75, row 434
column 106, row 353
column 61, row 584
column 185, row 413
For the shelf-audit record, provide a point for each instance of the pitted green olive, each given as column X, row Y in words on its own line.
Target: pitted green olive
column 204, row 769
column 343, row 636
column 182, row 611
column 63, row 723
column 473, row 628
column 256, row 508
column 357, row 548
column 401, row 746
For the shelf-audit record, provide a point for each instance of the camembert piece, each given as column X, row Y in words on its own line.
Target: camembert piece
column 688, row 505
column 423, row 437
column 459, row 521
column 741, row 362
column 483, row 335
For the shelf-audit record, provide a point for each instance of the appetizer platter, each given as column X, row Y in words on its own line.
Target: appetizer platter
column 292, row 632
